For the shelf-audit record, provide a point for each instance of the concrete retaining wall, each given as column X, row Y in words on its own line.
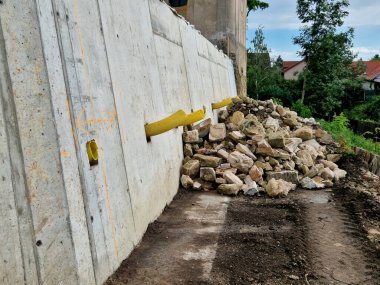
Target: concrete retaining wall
column 74, row 71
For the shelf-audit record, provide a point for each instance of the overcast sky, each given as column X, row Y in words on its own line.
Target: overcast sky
column 281, row 24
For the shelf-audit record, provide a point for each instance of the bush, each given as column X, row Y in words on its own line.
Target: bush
column 339, row 129
column 302, row 110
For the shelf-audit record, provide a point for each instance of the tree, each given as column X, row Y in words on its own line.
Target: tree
column 327, row 53
column 253, row 5
column 259, row 64
column 376, row 57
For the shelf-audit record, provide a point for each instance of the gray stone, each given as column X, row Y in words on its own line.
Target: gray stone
column 203, row 127
column 287, row 175
column 207, row 174
column 191, row 136
column 277, row 139
column 187, row 150
column 229, row 189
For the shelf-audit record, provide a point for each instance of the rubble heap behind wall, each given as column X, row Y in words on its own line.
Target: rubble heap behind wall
column 76, row 71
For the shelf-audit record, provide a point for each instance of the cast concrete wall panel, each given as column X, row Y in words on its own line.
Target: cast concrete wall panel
column 38, row 137
column 74, row 71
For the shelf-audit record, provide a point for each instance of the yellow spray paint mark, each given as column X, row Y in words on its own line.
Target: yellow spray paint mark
column 65, row 153
column 109, row 121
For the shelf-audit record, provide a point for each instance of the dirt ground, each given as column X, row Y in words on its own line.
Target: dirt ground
column 310, row 237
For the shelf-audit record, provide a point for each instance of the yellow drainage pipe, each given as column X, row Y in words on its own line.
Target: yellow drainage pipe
column 92, row 152
column 165, row 125
column 193, row 117
column 221, row 104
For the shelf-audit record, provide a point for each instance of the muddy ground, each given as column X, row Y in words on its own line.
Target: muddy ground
column 310, row 237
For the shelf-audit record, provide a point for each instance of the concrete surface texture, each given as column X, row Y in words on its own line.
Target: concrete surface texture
column 76, row 71
column 224, row 23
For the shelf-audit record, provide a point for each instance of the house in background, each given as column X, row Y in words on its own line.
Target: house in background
column 292, row 69
column 372, row 75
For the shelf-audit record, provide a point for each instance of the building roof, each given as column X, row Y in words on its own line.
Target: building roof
column 372, row 69
column 287, row 65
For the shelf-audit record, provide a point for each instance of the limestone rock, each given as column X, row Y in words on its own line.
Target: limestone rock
column 237, row 117
column 217, row 132
column 339, row 173
column 229, row 189
column 232, row 178
column 305, row 157
column 289, row 176
column 279, row 188
column 186, row 181
column 256, row 173
column 291, row 144
column 203, row 127
column 236, row 135
column 191, row 168
column 245, row 150
column 327, row 174
column 304, row 133
column 240, row 161
column 334, row 157
column 272, row 124
column 187, row 150
column 329, row 164
column 207, row 160
column 263, row 147
column 191, row 136
column 308, row 183
column 276, row 139
column 223, row 154
column 207, row 174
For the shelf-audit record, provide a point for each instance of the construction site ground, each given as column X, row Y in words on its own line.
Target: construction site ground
column 329, row 236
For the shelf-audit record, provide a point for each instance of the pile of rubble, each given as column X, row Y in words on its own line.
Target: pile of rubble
column 259, row 146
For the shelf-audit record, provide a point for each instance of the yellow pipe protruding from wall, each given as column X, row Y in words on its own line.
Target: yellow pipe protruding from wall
column 193, row 117
column 165, row 125
column 92, row 152
column 221, row 104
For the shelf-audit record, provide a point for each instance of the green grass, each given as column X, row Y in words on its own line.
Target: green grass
column 339, row 129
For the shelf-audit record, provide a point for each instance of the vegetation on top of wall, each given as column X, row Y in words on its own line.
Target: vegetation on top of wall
column 339, row 129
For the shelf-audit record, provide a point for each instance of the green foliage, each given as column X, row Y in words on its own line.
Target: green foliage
column 339, row 129
column 302, row 110
column 369, row 111
column 376, row 57
column 254, row 5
